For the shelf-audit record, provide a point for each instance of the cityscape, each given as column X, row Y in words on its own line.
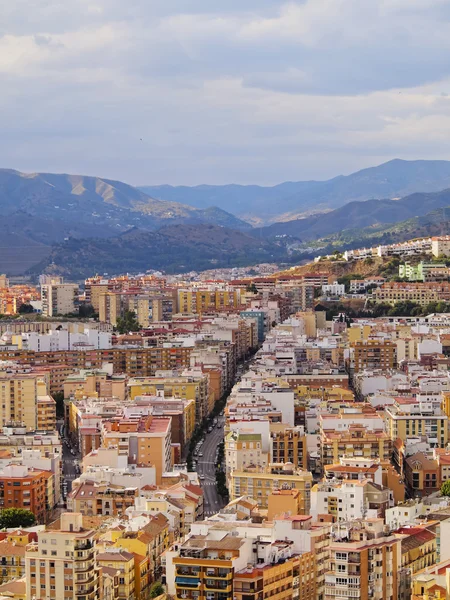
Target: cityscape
column 238, row 433
column 225, row 300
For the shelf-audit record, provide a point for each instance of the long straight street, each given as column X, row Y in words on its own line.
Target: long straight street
column 206, row 467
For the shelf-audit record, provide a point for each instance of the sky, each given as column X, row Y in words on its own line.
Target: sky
column 215, row 91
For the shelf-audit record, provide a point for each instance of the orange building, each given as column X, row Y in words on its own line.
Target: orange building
column 23, row 487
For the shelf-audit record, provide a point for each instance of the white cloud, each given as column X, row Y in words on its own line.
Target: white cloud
column 257, row 91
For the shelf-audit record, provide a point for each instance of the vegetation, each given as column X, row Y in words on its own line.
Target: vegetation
column 128, row 323
column 445, row 488
column 221, row 480
column 156, row 590
column 87, row 311
column 252, row 288
column 59, row 399
column 25, row 309
column 16, row 517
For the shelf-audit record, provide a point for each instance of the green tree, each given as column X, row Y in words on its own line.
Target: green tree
column 252, row 288
column 25, row 309
column 86, row 311
column 445, row 488
column 156, row 590
column 16, row 517
column 128, row 322
column 58, row 397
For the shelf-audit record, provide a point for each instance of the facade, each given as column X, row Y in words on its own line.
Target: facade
column 363, row 563
column 61, row 564
column 374, row 354
column 59, row 299
column 23, row 487
column 289, row 445
column 259, row 485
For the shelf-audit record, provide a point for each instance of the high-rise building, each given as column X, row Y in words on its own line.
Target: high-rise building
column 59, row 299
column 61, row 565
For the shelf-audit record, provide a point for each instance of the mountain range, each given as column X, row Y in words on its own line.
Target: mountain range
column 110, row 226
column 286, row 201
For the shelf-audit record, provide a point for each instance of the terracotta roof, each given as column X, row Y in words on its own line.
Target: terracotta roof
column 122, row 556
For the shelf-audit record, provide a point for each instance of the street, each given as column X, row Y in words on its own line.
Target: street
column 206, row 466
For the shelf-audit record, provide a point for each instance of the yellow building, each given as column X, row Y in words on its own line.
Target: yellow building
column 187, row 387
column 45, row 408
column 19, row 400
column 259, row 485
column 122, row 561
column 405, row 418
column 281, row 502
column 12, row 552
column 198, row 301
column 96, row 382
column 355, row 441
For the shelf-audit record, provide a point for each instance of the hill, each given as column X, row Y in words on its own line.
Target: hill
column 40, row 209
column 175, row 248
column 92, row 201
column 357, row 215
column 283, row 202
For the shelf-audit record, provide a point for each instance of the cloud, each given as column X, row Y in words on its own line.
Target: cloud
column 257, row 91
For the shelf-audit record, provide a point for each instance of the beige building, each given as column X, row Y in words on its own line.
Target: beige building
column 146, row 440
column 260, row 483
column 61, row 565
column 59, row 299
column 24, row 400
column 440, row 246
column 244, row 450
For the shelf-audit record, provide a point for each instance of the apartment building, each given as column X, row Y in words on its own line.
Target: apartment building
column 12, row 553
column 364, row 563
column 373, row 354
column 19, row 400
column 122, row 562
column 260, row 483
column 61, row 564
column 192, row 386
column 440, row 246
column 424, row 272
column 146, row 440
column 357, row 441
column 421, row 293
column 198, row 301
column 29, row 488
column 96, row 382
column 134, row 362
column 59, row 299
column 244, row 450
column 417, row 416
column 289, row 445
column 348, row 500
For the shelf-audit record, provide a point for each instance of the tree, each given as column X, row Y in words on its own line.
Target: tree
column 16, row 517
column 58, row 397
column 25, row 309
column 445, row 488
column 156, row 590
column 128, row 322
column 252, row 288
column 86, row 311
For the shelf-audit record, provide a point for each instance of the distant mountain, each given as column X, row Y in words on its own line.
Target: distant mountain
column 286, row 201
column 92, row 201
column 175, row 248
column 358, row 215
column 40, row 209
